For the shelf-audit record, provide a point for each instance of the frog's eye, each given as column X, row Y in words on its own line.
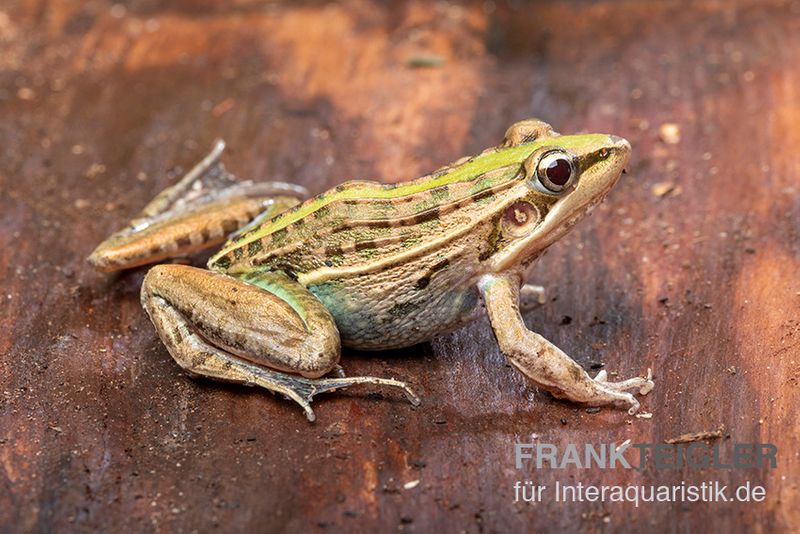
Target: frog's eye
column 556, row 171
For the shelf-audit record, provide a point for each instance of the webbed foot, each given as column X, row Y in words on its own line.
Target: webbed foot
column 302, row 390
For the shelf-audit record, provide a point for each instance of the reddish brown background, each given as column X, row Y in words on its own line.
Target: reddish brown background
column 99, row 428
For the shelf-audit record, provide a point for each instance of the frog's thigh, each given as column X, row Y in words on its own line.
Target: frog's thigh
column 223, row 328
column 543, row 362
column 298, row 336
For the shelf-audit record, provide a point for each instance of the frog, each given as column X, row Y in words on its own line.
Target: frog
column 368, row 265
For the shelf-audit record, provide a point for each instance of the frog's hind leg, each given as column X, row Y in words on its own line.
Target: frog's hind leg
column 220, row 327
column 198, row 212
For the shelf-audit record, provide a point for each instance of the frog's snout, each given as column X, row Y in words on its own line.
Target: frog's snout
column 620, row 142
column 621, row 149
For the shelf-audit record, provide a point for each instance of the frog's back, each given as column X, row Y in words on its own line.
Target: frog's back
column 360, row 223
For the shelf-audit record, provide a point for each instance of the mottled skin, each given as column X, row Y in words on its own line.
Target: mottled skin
column 369, row 265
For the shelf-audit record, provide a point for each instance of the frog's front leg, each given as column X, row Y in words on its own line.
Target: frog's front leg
column 543, row 362
column 265, row 331
column 198, row 212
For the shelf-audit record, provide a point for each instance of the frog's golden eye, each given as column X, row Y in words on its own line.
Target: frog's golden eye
column 556, row 171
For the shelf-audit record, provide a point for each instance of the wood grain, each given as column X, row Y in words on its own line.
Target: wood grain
column 98, row 104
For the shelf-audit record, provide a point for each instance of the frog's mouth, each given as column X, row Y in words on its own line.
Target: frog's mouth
column 592, row 187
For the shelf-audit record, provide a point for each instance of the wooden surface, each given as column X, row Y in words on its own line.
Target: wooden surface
column 98, row 104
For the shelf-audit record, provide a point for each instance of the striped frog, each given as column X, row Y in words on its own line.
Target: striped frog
column 368, row 265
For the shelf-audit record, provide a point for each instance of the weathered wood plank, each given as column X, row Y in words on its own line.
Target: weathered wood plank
column 98, row 427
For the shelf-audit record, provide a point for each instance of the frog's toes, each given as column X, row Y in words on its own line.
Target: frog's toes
column 648, row 384
column 306, row 408
column 617, row 391
column 338, row 372
column 302, row 390
column 634, row 404
column 301, row 396
column 644, row 384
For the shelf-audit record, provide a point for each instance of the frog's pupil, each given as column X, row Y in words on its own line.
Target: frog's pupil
column 558, row 171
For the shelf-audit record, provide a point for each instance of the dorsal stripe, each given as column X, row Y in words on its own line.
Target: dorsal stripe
column 408, row 220
column 487, row 161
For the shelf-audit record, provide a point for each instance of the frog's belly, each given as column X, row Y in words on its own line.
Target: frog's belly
column 389, row 310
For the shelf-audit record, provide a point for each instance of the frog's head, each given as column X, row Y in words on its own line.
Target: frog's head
column 561, row 180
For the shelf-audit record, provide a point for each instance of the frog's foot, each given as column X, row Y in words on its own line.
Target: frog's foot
column 594, row 392
column 531, row 297
column 302, row 390
column 644, row 384
column 198, row 212
column 221, row 365
column 617, row 390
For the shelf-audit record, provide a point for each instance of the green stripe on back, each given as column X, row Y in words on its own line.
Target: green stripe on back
column 479, row 165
